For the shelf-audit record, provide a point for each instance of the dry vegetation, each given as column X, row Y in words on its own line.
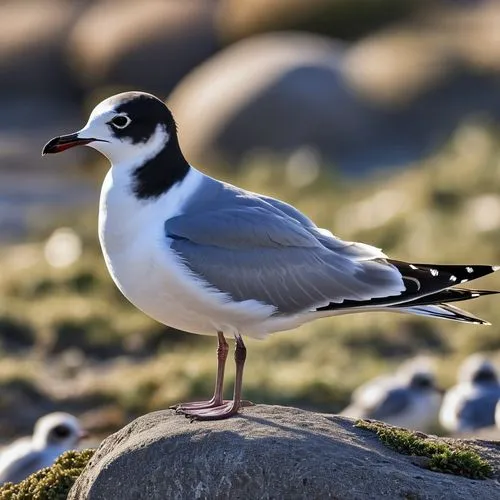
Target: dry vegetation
column 69, row 340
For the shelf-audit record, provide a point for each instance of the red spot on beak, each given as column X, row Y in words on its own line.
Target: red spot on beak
column 64, row 142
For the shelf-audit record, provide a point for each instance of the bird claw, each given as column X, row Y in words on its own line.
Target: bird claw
column 228, row 409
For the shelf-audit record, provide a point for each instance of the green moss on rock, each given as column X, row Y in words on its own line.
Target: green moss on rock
column 457, row 459
column 51, row 483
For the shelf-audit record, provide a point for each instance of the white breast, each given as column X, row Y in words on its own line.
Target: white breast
column 150, row 274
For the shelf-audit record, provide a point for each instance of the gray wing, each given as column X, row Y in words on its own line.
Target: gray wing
column 396, row 401
column 480, row 411
column 254, row 250
column 21, row 468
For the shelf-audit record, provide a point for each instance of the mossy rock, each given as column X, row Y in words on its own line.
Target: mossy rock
column 277, row 452
column 457, row 459
column 51, row 483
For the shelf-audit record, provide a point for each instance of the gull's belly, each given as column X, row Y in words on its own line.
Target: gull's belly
column 153, row 279
column 142, row 278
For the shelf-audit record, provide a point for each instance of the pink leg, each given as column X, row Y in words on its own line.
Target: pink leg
column 229, row 408
column 222, row 350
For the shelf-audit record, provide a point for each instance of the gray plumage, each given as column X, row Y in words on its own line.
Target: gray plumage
column 253, row 247
column 479, row 409
column 26, row 464
column 396, row 400
column 409, row 398
column 470, row 405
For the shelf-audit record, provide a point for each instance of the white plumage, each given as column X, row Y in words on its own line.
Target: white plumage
column 53, row 434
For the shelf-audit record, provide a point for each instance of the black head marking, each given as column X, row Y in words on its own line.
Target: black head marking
column 421, row 381
column 485, row 374
column 146, row 113
column 60, row 431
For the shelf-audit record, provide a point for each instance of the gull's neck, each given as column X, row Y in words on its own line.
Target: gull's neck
column 160, row 171
column 123, row 215
column 149, row 170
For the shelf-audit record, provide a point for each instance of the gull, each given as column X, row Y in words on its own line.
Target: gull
column 206, row 257
column 54, row 434
column 410, row 398
column 470, row 405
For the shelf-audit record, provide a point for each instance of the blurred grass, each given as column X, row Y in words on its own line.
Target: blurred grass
column 71, row 334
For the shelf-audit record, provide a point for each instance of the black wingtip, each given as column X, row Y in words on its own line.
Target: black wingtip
column 455, row 274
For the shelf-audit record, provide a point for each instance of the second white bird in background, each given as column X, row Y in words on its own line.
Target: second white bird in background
column 470, row 405
column 54, row 434
column 410, row 398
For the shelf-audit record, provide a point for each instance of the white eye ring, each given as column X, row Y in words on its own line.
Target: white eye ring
column 121, row 124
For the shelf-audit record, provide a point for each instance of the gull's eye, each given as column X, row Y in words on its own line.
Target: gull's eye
column 120, row 121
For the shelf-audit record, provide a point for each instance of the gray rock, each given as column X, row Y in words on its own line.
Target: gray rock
column 275, row 93
column 267, row 452
column 281, row 93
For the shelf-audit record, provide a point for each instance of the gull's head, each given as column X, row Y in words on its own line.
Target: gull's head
column 130, row 127
column 58, row 430
column 477, row 369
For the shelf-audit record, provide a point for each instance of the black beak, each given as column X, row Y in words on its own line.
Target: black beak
column 58, row 144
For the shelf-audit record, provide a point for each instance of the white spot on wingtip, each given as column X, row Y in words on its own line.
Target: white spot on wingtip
column 474, row 295
column 464, row 281
column 469, row 269
column 453, row 278
column 434, row 272
column 495, row 268
column 413, row 267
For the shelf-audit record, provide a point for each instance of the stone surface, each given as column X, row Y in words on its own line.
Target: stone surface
column 275, row 93
column 267, row 452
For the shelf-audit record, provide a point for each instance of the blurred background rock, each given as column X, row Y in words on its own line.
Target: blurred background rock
column 378, row 118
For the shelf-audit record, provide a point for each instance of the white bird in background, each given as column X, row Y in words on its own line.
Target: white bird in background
column 209, row 258
column 54, row 434
column 470, row 405
column 410, row 398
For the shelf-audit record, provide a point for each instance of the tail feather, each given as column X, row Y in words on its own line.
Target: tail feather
column 425, row 284
column 449, row 295
column 443, row 311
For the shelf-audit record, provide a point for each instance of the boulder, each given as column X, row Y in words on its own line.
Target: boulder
column 148, row 45
column 276, row 92
column 395, row 67
column 281, row 93
column 266, row 452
